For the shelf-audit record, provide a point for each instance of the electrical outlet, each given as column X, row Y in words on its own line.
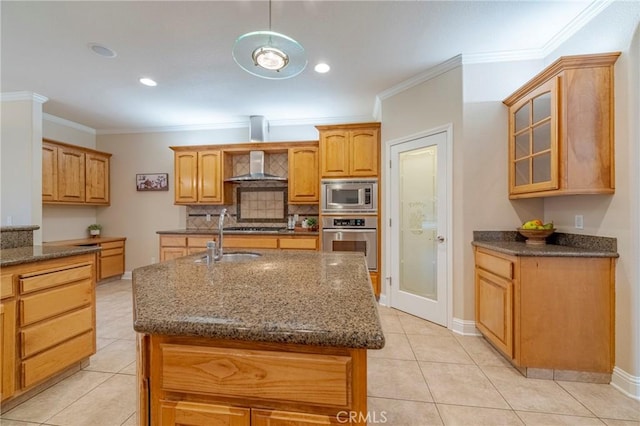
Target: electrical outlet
column 208, row 219
column 579, row 221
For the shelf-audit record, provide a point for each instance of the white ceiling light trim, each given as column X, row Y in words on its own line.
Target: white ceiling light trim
column 148, row 82
column 269, row 55
column 322, row 68
column 102, row 50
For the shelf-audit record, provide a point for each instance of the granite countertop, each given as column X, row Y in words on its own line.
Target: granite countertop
column 83, row 241
column 28, row 254
column 558, row 245
column 278, row 231
column 301, row 297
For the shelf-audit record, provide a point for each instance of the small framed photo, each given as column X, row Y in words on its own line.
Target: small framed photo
column 152, row 182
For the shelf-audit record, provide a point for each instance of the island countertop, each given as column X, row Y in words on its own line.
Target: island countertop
column 300, row 297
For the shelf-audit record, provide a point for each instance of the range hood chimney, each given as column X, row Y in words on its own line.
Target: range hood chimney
column 258, row 128
column 256, row 170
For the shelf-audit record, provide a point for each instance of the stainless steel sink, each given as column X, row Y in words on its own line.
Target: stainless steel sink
column 232, row 257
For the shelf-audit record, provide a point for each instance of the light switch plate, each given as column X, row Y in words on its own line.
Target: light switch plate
column 579, row 221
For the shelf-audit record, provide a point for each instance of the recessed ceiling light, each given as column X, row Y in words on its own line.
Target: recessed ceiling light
column 322, row 68
column 102, row 50
column 148, row 82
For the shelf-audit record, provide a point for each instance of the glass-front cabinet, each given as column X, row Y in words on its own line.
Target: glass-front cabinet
column 533, row 145
column 561, row 138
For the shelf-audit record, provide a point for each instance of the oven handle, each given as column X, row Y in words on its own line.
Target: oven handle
column 334, row 230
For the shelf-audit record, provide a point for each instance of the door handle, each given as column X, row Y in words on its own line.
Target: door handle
column 440, row 238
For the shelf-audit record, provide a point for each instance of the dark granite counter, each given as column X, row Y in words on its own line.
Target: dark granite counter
column 236, row 232
column 558, row 244
column 302, row 297
column 20, row 255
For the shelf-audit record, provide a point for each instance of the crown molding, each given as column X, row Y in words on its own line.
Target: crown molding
column 22, row 96
column 427, row 75
column 323, row 121
column 68, row 123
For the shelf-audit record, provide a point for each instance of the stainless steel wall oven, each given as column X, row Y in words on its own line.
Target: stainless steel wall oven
column 354, row 234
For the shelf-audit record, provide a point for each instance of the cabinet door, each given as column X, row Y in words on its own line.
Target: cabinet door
column 334, row 158
column 287, row 418
column 494, row 310
column 71, row 175
column 97, row 179
column 186, row 177
column 199, row 414
column 533, row 141
column 209, row 177
column 49, row 172
column 170, row 253
column 363, row 158
column 303, row 176
column 8, row 346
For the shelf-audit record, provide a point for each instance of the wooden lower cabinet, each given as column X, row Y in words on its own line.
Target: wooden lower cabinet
column 552, row 313
column 111, row 259
column 200, row 381
column 173, row 246
column 48, row 320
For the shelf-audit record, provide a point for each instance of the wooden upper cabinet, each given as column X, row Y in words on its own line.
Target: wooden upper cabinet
column 49, row 172
column 304, row 185
column 71, row 178
column 186, row 177
column 561, row 129
column 199, row 177
column 97, row 178
column 74, row 175
column 349, row 150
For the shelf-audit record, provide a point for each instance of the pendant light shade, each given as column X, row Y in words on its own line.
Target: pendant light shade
column 268, row 54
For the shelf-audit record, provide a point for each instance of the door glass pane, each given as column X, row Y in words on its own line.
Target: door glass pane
column 522, row 172
column 541, row 107
column 522, row 117
column 542, row 137
column 418, row 222
column 522, row 145
column 542, row 168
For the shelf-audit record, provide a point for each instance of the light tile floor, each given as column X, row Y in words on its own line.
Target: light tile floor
column 425, row 375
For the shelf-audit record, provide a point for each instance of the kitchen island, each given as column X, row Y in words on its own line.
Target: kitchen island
column 280, row 339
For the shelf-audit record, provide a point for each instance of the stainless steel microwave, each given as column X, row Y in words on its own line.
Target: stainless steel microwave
column 349, row 196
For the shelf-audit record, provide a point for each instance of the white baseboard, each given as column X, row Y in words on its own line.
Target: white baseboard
column 626, row 383
column 464, row 327
column 126, row 275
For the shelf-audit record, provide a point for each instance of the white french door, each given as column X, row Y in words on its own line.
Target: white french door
column 418, row 229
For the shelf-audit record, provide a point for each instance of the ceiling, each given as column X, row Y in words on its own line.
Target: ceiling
column 185, row 46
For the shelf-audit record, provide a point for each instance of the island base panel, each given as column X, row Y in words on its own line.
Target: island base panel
column 248, row 383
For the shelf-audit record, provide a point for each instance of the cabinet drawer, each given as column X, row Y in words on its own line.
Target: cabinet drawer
column 112, row 252
column 47, row 304
column 286, row 418
column 47, row 334
column 112, row 245
column 54, row 278
column 497, row 265
column 234, row 242
column 266, row 375
column 173, row 241
column 299, row 243
column 200, row 242
column 6, row 286
column 196, row 413
column 57, row 359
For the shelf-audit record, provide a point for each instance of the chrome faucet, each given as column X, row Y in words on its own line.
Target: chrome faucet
column 218, row 254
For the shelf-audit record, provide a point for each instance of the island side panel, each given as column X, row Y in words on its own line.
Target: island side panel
column 209, row 363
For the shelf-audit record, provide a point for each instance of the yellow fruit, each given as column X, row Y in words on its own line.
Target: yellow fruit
column 548, row 225
column 532, row 224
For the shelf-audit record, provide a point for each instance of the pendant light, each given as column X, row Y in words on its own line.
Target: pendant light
column 268, row 54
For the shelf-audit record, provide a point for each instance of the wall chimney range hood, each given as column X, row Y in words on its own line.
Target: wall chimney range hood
column 256, row 170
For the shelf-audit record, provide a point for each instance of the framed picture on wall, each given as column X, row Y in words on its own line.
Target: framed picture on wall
column 152, row 182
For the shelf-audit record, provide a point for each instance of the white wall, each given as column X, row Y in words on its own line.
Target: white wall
column 21, row 152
